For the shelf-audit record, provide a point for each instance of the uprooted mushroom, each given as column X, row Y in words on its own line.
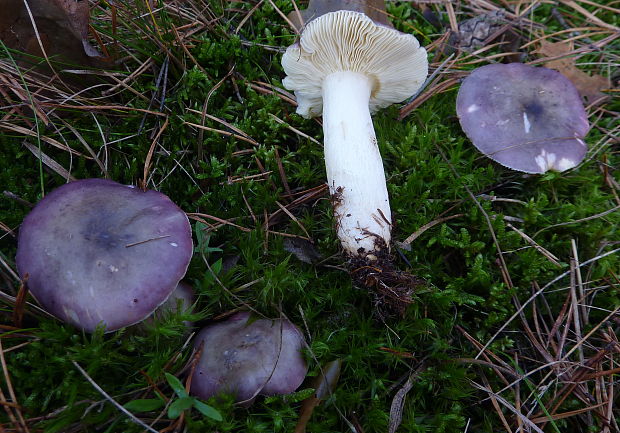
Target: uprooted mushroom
column 346, row 66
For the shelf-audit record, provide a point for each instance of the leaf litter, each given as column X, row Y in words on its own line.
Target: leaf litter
column 54, row 29
column 588, row 85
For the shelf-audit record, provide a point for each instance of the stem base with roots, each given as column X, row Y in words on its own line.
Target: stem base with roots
column 391, row 289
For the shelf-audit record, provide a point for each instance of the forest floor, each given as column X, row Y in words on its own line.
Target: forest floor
column 515, row 325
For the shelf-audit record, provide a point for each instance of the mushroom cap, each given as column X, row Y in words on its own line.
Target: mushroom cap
column 526, row 118
column 98, row 252
column 181, row 300
column 247, row 358
column 373, row 9
column 350, row 41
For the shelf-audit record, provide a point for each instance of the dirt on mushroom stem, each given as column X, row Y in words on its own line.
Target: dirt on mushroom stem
column 390, row 288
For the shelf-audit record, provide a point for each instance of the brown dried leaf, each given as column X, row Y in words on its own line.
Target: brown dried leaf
column 589, row 86
column 324, row 385
column 61, row 30
column 48, row 161
column 398, row 402
column 302, row 249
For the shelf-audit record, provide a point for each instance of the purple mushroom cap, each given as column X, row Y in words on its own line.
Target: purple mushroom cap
column 526, row 118
column 98, row 252
column 180, row 300
column 247, row 358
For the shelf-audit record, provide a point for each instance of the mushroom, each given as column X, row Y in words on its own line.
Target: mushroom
column 345, row 66
column 373, row 9
column 246, row 357
column 180, row 300
column 97, row 252
column 526, row 118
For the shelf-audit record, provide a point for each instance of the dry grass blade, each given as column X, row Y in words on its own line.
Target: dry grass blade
column 97, row 108
column 611, row 372
column 552, row 258
column 580, row 220
column 572, row 384
column 291, row 216
column 304, row 197
column 201, row 218
column 496, row 406
column 503, row 366
column 269, row 89
column 406, row 244
column 20, row 302
column 48, row 161
column 219, row 131
column 537, row 293
column 510, row 407
column 588, row 15
column 282, row 173
column 284, row 17
column 295, row 130
column 20, row 422
column 575, row 285
column 149, row 155
column 107, row 396
column 131, row 77
column 6, row 229
column 24, row 96
column 558, row 416
column 434, row 90
column 87, row 147
column 21, row 130
column 226, row 124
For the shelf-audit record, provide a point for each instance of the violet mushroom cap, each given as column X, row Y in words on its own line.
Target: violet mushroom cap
column 98, row 252
column 345, row 66
column 247, row 358
column 181, row 300
column 526, row 118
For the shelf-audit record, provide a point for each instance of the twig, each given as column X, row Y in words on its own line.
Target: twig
column 114, row 402
column 552, row 258
column 406, row 244
column 581, row 220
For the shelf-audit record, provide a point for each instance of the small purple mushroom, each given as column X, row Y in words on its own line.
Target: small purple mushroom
column 98, row 252
column 180, row 300
column 247, row 358
column 526, row 118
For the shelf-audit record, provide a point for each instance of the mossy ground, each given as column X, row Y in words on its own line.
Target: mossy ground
column 225, row 77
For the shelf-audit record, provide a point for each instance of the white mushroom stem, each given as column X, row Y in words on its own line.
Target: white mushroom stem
column 355, row 172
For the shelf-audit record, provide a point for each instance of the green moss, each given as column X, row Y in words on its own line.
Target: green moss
column 430, row 166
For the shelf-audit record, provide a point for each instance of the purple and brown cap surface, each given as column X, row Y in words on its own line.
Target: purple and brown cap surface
column 246, row 358
column 98, row 252
column 526, row 118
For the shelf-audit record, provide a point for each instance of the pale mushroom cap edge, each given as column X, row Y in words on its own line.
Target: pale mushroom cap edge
column 350, row 41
